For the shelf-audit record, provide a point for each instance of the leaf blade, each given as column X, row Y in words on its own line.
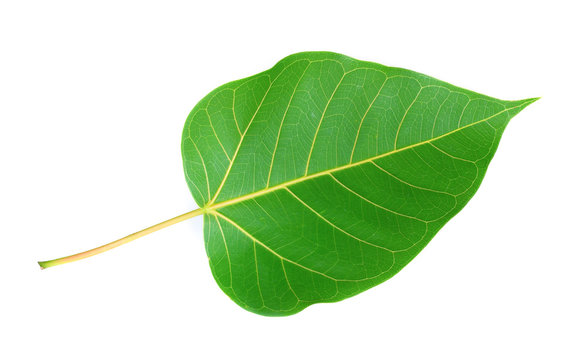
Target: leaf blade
column 344, row 172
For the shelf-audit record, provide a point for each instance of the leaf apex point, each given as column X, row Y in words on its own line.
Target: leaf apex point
column 531, row 100
column 522, row 104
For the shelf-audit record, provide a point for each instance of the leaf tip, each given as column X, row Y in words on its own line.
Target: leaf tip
column 531, row 100
column 520, row 105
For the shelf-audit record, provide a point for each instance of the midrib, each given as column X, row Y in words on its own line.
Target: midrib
column 271, row 189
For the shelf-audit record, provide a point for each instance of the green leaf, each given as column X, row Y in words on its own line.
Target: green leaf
column 325, row 175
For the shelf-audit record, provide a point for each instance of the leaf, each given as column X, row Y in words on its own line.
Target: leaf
column 325, row 175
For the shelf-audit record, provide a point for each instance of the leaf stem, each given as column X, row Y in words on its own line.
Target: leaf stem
column 124, row 240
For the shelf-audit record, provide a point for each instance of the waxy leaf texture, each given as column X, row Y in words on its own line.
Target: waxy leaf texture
column 325, row 175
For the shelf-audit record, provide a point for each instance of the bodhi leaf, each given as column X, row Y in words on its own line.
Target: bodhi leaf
column 325, row 175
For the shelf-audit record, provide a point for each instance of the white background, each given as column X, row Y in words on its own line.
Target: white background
column 93, row 98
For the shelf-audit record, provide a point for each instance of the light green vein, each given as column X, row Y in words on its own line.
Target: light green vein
column 247, row 129
column 320, row 122
column 216, row 135
column 255, row 240
column 226, row 248
column 374, row 203
column 334, row 226
column 281, row 124
column 403, row 118
column 283, row 185
column 410, row 184
column 363, row 119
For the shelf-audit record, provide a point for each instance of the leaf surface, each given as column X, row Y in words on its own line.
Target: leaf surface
column 325, row 175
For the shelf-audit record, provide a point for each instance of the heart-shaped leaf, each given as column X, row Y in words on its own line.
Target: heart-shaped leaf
column 325, row 175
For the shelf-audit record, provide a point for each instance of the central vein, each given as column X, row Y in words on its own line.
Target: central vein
column 215, row 206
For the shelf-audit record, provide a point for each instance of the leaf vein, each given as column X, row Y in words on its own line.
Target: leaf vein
column 334, row 226
column 320, row 122
column 403, row 118
column 281, row 124
column 375, row 204
column 234, row 113
column 226, row 248
column 343, row 167
column 216, row 135
column 363, row 119
column 203, row 164
column 255, row 240
column 410, row 184
column 248, row 127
